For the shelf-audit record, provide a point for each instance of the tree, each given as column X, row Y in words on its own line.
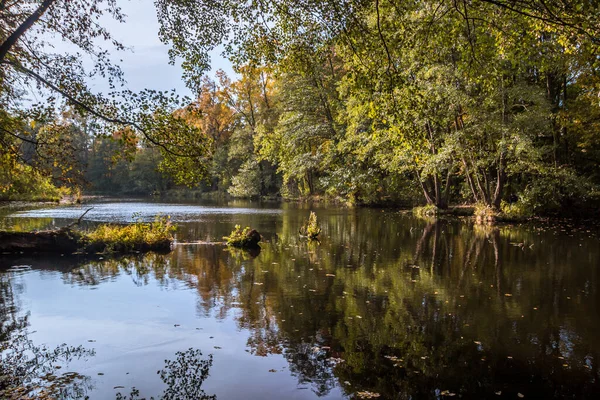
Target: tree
column 26, row 58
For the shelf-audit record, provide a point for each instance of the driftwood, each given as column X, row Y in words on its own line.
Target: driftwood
column 78, row 222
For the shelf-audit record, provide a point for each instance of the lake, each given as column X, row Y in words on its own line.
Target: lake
column 385, row 306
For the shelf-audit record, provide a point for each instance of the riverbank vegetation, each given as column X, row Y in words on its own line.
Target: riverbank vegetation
column 431, row 103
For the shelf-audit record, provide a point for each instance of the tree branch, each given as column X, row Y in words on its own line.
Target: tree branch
column 89, row 109
column 24, row 27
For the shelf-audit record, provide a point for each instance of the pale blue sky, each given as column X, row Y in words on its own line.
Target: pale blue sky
column 147, row 64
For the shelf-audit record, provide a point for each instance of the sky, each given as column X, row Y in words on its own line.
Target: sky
column 146, row 65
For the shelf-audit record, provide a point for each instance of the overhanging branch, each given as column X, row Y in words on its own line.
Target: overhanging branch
column 89, row 109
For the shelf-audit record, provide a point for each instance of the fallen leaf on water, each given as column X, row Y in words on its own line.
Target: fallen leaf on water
column 367, row 395
column 448, row 393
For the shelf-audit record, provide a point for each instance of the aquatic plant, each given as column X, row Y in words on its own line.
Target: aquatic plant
column 243, row 238
column 311, row 227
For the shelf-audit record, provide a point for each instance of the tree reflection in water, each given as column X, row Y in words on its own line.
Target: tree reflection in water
column 183, row 377
column 402, row 307
column 28, row 371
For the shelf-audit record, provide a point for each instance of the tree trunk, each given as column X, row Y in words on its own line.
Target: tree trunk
column 500, row 180
column 24, row 27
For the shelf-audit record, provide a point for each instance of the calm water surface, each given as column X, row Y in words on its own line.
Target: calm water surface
column 386, row 304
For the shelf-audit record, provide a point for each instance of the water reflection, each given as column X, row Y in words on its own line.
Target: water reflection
column 183, row 378
column 27, row 370
column 397, row 306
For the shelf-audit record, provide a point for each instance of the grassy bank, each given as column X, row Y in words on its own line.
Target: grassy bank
column 139, row 236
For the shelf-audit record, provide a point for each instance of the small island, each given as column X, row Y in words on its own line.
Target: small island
column 246, row 238
column 106, row 238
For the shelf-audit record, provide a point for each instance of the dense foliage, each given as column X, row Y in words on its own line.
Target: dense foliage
column 432, row 102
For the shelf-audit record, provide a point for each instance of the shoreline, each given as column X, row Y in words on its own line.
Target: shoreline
column 582, row 216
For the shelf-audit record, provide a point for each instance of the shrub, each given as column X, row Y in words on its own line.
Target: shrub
column 137, row 236
column 427, row 211
column 311, row 228
column 243, row 238
column 484, row 213
column 518, row 210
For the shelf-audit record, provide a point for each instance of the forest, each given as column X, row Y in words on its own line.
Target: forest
column 385, row 102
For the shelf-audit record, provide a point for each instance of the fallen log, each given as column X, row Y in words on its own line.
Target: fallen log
column 52, row 241
column 68, row 241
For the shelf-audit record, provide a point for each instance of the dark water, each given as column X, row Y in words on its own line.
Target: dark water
column 385, row 305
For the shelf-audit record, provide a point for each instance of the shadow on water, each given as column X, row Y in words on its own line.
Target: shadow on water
column 389, row 305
